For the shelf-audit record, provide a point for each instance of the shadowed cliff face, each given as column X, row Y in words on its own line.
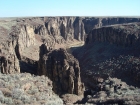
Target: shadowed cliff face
column 121, row 35
column 90, row 23
column 62, row 68
column 111, row 51
column 7, row 66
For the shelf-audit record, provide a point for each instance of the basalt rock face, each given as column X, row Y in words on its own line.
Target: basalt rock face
column 26, row 37
column 8, row 59
column 111, row 51
column 26, row 48
column 33, row 45
column 122, row 35
column 12, row 49
column 91, row 22
column 21, row 38
column 68, row 28
column 62, row 68
column 9, row 64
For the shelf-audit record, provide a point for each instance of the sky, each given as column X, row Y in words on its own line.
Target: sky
column 24, row 8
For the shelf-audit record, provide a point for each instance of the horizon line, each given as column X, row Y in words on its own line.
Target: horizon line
column 63, row 16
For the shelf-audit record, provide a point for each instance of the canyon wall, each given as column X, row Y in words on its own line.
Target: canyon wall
column 62, row 68
column 77, row 28
column 69, row 28
column 35, row 45
column 122, row 35
column 95, row 22
column 111, row 51
column 20, row 38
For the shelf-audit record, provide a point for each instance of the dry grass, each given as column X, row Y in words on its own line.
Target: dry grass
column 24, row 88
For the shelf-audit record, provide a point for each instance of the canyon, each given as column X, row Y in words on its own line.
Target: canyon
column 78, row 54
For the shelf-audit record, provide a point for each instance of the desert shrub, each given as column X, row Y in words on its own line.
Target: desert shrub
column 12, row 90
column 119, row 92
column 1, row 99
column 1, row 94
column 42, row 96
column 6, row 92
column 17, row 86
column 33, row 91
column 8, row 101
column 110, row 94
column 33, row 99
column 17, row 93
column 5, row 100
column 124, row 89
column 132, row 88
column 17, row 102
column 25, row 99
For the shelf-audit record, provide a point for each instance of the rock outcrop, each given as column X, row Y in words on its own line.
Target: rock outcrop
column 20, row 42
column 9, row 64
column 111, row 51
column 26, row 37
column 95, row 22
column 60, row 30
column 68, row 28
column 123, row 35
column 20, row 52
column 62, row 68
column 76, row 27
column 8, row 59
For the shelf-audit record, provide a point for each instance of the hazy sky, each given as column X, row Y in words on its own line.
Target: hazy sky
column 13, row 8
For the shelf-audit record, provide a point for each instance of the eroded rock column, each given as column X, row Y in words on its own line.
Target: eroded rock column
column 62, row 68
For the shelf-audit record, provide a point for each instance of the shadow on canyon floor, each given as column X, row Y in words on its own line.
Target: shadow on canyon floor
column 28, row 67
column 110, row 60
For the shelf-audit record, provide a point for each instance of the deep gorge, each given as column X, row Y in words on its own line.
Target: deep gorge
column 38, row 46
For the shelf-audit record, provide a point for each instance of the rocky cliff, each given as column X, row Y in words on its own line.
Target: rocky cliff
column 122, row 35
column 62, row 68
column 21, row 38
column 8, row 59
column 69, row 28
column 35, row 45
column 95, row 22
column 111, row 51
